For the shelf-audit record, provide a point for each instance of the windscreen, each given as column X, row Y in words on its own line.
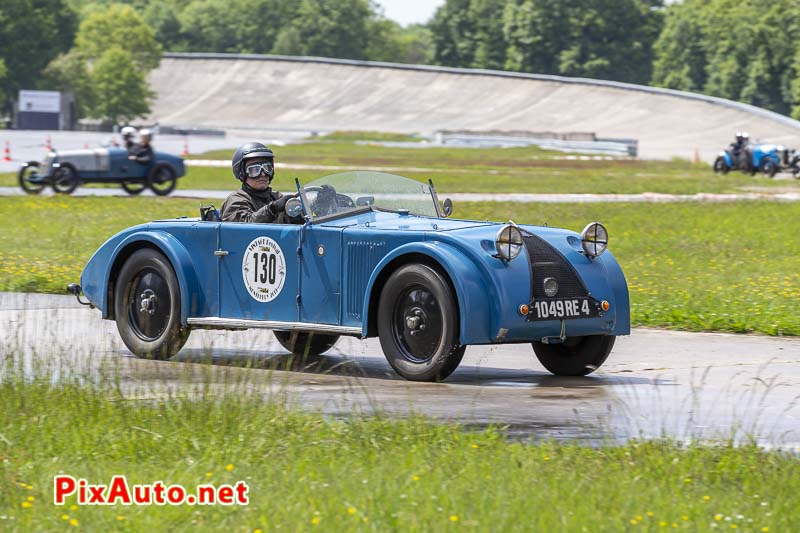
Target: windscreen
column 350, row 191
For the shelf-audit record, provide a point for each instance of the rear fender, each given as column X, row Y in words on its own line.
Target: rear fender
column 475, row 307
column 178, row 256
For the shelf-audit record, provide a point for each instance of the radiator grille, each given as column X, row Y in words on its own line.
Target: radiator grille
column 361, row 260
column 547, row 262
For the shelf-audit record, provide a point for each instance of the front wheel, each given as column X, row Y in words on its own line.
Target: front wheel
column 305, row 343
column 720, row 166
column 163, row 180
column 576, row 356
column 768, row 167
column 26, row 174
column 147, row 306
column 65, row 179
column 418, row 324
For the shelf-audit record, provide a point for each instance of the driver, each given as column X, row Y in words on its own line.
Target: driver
column 128, row 133
column 254, row 165
column 142, row 152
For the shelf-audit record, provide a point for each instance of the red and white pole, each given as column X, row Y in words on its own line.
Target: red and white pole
column 7, row 153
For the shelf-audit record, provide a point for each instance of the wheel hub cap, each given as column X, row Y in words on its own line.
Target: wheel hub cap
column 148, row 302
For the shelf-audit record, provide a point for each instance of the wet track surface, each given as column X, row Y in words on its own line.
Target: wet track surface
column 655, row 383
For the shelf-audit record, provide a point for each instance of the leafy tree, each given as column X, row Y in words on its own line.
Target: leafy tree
column 70, row 72
column 680, row 51
column 162, row 17
column 121, row 90
column 330, row 28
column 122, row 27
column 32, row 32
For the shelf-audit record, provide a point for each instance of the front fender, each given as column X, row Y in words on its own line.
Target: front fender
column 181, row 262
column 473, row 288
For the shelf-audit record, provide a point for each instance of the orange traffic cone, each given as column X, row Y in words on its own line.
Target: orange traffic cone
column 185, row 147
column 48, row 145
column 7, row 153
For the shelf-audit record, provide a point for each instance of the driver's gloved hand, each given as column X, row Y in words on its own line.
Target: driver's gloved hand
column 277, row 206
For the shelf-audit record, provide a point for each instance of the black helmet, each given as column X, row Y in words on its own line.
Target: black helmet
column 249, row 151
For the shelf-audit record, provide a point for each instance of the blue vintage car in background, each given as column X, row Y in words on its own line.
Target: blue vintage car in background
column 376, row 257
column 769, row 159
column 65, row 170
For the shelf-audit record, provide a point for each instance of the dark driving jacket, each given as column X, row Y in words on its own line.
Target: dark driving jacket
column 249, row 205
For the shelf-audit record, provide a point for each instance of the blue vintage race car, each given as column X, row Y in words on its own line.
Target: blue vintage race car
column 67, row 169
column 769, row 159
column 376, row 257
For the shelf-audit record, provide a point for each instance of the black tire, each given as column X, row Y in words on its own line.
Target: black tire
column 305, row 343
column 768, row 167
column 134, row 187
column 24, row 178
column 147, row 306
column 65, row 179
column 162, row 179
column 720, row 166
column 576, row 356
column 418, row 324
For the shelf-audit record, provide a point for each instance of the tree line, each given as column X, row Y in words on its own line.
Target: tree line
column 743, row 50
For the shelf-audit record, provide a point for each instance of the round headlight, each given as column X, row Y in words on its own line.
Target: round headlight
column 594, row 239
column 508, row 242
column 550, row 287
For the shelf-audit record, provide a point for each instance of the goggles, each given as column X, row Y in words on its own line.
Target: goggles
column 254, row 170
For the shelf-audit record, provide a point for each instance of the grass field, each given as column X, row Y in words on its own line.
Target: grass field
column 507, row 170
column 306, row 472
column 715, row 267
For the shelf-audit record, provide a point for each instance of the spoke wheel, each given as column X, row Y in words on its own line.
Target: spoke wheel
column 133, row 187
column 306, row 343
column 163, row 180
column 65, row 179
column 418, row 324
column 576, row 356
column 31, row 170
column 720, row 166
column 147, row 306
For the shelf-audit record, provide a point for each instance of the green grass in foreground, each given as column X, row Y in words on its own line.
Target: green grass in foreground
column 717, row 267
column 308, row 472
column 350, row 136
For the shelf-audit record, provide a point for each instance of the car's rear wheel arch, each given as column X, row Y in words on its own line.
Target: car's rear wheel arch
column 388, row 270
column 116, row 267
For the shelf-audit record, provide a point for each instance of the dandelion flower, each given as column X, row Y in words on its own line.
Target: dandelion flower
column 474, row 445
column 64, row 517
column 351, row 510
column 209, row 474
column 633, row 522
column 229, row 467
column 453, row 518
column 315, row 520
column 73, row 522
column 31, row 498
column 706, row 498
column 765, row 529
column 27, row 505
column 649, row 513
column 73, row 507
column 120, row 518
column 717, row 517
column 415, row 478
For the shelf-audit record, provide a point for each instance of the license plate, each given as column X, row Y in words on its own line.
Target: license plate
column 563, row 309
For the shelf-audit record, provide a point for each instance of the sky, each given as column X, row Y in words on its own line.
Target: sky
column 409, row 11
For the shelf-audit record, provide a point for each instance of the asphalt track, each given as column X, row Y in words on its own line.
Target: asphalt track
column 687, row 386
column 247, row 93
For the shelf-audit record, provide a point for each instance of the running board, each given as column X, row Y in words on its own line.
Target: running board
column 237, row 323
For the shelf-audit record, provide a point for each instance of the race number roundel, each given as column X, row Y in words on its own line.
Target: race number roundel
column 264, row 269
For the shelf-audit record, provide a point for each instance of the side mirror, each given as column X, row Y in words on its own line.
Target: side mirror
column 447, row 207
column 294, row 208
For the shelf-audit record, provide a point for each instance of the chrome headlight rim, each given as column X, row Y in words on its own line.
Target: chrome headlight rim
column 508, row 242
column 594, row 239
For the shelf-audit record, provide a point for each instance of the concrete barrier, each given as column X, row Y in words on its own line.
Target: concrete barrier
column 259, row 93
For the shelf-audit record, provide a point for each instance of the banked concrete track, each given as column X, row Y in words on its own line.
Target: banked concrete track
column 271, row 93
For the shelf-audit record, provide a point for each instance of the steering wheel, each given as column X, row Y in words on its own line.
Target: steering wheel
column 328, row 201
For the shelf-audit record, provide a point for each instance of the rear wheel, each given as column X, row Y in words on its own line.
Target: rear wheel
column 576, row 356
column 133, row 187
column 163, row 180
column 305, row 343
column 147, row 306
column 768, row 167
column 720, row 166
column 418, row 324
column 65, row 179
column 25, row 174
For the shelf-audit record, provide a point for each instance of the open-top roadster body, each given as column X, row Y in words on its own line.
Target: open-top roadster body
column 375, row 257
column 67, row 169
